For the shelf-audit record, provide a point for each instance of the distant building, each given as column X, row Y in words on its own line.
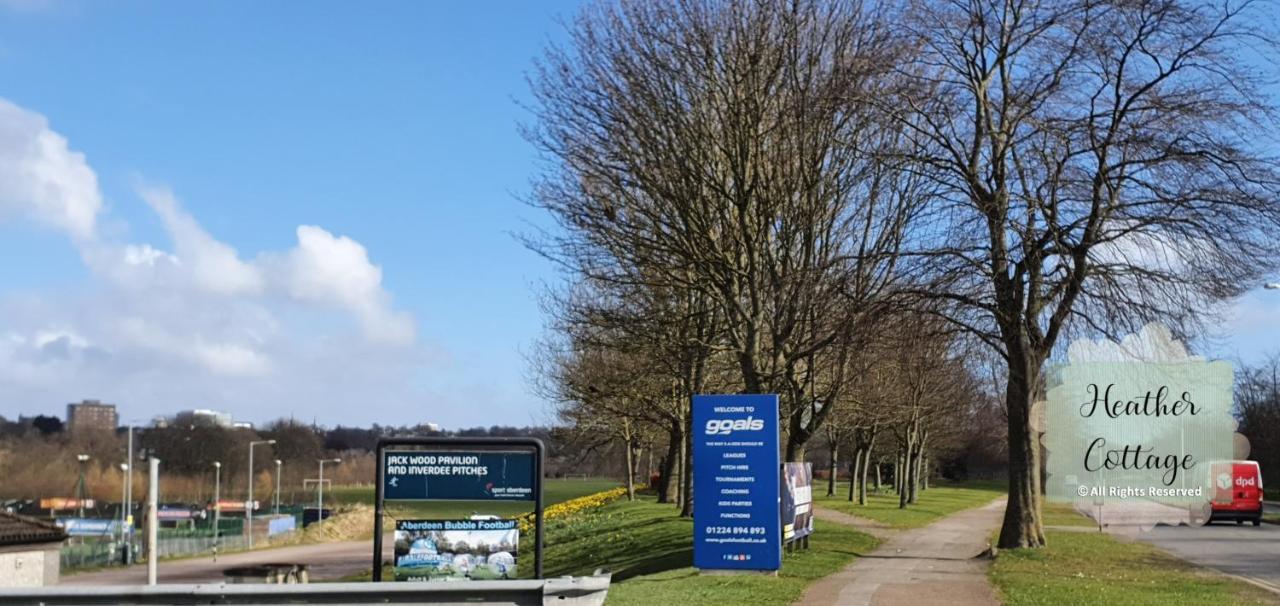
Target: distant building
column 92, row 415
column 202, row 417
column 242, row 425
column 29, row 550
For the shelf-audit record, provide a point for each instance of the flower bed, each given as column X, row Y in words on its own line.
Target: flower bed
column 574, row 506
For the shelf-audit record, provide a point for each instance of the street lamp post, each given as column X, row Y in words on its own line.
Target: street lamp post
column 124, row 509
column 217, row 505
column 128, row 494
column 83, row 458
column 320, row 498
column 277, row 495
column 248, row 505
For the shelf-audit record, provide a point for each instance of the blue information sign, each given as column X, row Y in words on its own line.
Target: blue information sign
column 458, row 476
column 736, row 521
column 85, row 527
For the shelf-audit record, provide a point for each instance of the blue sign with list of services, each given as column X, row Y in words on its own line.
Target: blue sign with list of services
column 736, row 521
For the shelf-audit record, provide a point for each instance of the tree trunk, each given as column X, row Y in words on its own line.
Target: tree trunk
column 897, row 471
column 686, row 478
column 853, row 471
column 914, row 487
column 916, row 441
column 668, row 486
column 903, row 472
column 1022, row 525
column 878, row 477
column 795, row 450
column 631, row 469
column 648, row 468
column 835, row 470
column 862, row 490
column 924, row 478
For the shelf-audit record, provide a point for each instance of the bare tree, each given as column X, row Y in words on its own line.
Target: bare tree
column 725, row 150
column 1097, row 165
column 1257, row 400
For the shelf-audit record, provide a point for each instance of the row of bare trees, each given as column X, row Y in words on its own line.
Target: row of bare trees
column 915, row 399
column 835, row 201
column 35, row 465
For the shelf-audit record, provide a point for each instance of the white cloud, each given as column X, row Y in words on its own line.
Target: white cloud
column 190, row 322
column 144, row 255
column 335, row 270
column 212, row 266
column 41, row 178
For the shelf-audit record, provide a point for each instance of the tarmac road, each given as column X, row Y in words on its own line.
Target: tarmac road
column 324, row 561
column 1245, row 550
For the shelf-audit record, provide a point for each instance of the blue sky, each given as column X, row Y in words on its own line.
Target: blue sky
column 394, row 125
column 283, row 209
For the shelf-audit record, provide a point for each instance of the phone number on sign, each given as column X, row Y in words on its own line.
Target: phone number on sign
column 735, row 530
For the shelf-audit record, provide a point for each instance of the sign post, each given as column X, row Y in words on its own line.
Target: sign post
column 459, row 469
column 736, row 523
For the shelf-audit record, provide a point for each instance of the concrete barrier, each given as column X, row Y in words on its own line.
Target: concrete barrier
column 564, row 591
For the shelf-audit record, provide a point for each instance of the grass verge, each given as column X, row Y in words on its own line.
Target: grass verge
column 1094, row 568
column 938, row 501
column 831, row 548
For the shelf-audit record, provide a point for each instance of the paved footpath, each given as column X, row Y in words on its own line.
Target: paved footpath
column 941, row 564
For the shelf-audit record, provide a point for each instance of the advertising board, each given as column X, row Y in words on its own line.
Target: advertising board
column 736, row 523
column 421, row 475
column 85, row 527
column 797, row 501
column 434, row 550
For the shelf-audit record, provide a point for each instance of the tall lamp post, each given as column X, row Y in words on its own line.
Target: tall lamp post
column 277, row 495
column 248, row 506
column 320, row 499
column 217, row 505
column 83, row 458
column 128, row 491
column 124, row 509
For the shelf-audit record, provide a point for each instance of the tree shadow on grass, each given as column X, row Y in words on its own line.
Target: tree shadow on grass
column 656, row 563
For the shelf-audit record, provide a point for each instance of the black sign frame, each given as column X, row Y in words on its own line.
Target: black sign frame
column 457, row 444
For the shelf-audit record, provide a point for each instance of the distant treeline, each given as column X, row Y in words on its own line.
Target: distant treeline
column 38, row 457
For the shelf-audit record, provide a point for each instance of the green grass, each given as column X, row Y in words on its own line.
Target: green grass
column 938, row 501
column 626, row 538
column 649, row 549
column 832, row 547
column 1061, row 514
column 633, row 539
column 1094, row 568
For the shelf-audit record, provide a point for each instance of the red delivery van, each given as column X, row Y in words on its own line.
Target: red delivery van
column 1237, row 491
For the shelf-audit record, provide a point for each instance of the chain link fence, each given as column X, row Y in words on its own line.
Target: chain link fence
column 82, row 554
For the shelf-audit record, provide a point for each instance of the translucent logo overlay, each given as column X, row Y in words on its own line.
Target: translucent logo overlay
column 1134, row 443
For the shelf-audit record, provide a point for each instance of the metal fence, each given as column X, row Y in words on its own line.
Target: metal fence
column 107, row 552
column 91, row 554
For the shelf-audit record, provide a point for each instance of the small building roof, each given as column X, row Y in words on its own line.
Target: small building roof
column 23, row 530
